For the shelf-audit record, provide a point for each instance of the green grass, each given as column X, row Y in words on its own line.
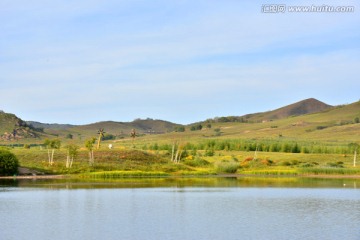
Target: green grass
column 123, row 174
column 330, row 171
column 132, row 162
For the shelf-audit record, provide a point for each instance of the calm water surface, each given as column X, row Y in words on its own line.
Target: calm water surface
column 215, row 208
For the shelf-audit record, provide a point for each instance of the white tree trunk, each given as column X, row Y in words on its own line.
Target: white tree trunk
column 67, row 161
column 52, row 156
column 71, row 162
column 172, row 152
column 355, row 158
column 178, row 160
column 49, row 156
column 176, row 155
column 91, row 157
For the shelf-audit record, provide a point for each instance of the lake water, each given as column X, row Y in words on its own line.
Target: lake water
column 199, row 208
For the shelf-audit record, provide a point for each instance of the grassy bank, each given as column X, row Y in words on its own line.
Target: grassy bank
column 129, row 162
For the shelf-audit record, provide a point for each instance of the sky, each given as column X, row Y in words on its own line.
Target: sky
column 84, row 61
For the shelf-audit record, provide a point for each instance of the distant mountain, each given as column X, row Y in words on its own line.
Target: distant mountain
column 306, row 106
column 44, row 126
column 142, row 126
column 14, row 128
column 303, row 107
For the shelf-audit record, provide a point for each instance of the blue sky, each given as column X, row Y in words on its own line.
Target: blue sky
column 184, row 61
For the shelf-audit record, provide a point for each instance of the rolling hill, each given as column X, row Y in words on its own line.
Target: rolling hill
column 13, row 128
column 120, row 129
column 335, row 125
column 309, row 119
column 306, row 106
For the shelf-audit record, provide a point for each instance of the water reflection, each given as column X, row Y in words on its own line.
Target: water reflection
column 178, row 182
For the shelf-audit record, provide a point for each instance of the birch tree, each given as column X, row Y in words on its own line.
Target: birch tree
column 72, row 153
column 51, row 145
column 89, row 144
column 177, row 152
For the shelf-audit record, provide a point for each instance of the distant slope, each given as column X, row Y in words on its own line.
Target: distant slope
column 118, row 128
column 142, row 126
column 14, row 128
column 306, row 106
column 336, row 125
column 54, row 126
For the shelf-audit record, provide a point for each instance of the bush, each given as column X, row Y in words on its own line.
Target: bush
column 179, row 129
column 209, row 152
column 8, row 163
column 227, row 167
column 108, row 137
column 197, row 162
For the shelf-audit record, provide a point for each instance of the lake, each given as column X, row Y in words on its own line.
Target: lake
column 181, row 208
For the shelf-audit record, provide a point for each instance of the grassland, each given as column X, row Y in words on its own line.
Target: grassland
column 123, row 162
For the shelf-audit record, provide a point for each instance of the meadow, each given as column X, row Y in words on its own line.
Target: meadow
column 311, row 144
column 199, row 159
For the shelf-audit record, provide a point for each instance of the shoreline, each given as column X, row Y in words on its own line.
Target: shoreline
column 336, row 176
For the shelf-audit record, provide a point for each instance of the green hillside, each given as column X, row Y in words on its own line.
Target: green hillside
column 117, row 129
column 306, row 106
column 337, row 124
column 334, row 124
column 13, row 128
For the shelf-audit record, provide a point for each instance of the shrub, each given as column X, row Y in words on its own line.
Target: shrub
column 209, row 152
column 8, row 163
column 179, row 129
column 197, row 162
column 285, row 163
column 226, row 167
column 335, row 165
column 108, row 137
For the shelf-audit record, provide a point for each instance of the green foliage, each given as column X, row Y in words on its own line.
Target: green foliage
column 227, row 167
column 228, row 119
column 72, row 150
column 197, row 162
column 69, row 136
column 196, row 127
column 179, row 129
column 356, row 120
column 52, row 143
column 108, row 136
column 89, row 144
column 8, row 163
column 330, row 170
column 335, row 164
column 209, row 152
